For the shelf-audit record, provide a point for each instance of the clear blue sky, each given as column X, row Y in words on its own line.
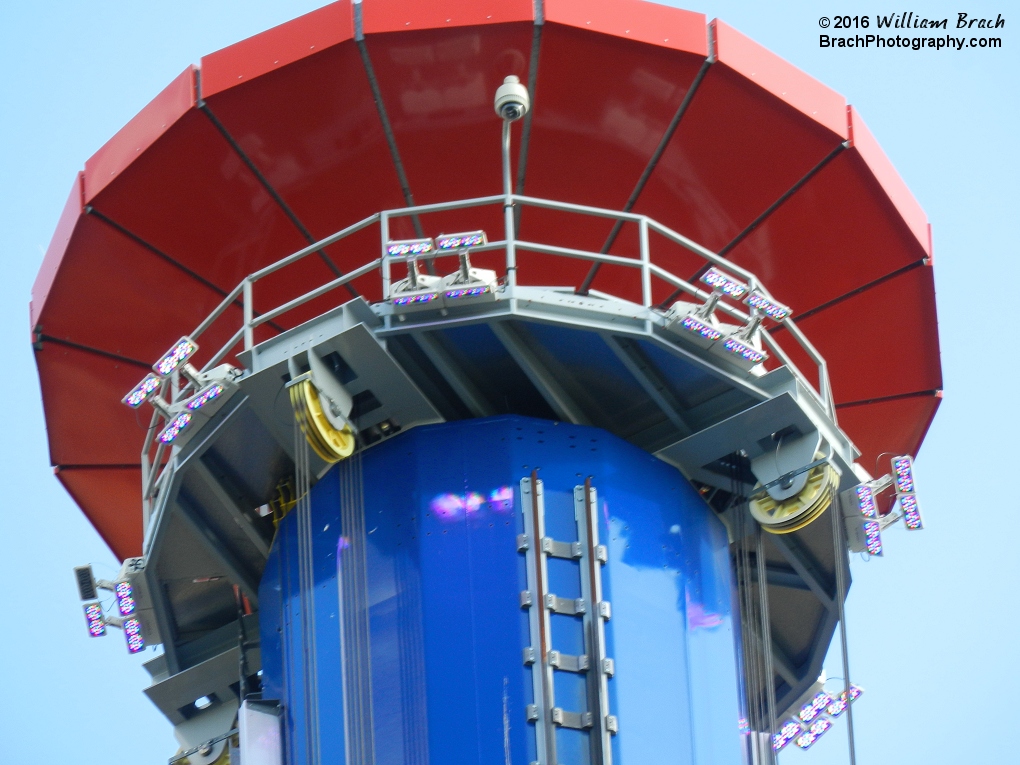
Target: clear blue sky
column 932, row 626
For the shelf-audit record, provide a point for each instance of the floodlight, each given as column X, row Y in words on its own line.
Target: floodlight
column 814, row 707
column 86, row 582
column 707, row 331
column 171, row 431
column 133, row 635
column 903, row 474
column 181, row 351
column 425, row 297
column 866, row 501
column 766, row 305
column 744, row 350
column 468, row 292
column 812, row 734
column 125, row 598
column 790, row 730
column 727, row 285
column 404, row 248
column 873, row 537
column 838, row 705
column 461, row 241
column 204, row 396
column 911, row 512
column 94, row 618
column 143, row 390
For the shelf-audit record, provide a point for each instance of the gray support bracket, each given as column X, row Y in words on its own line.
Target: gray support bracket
column 575, row 720
column 567, row 606
column 567, row 663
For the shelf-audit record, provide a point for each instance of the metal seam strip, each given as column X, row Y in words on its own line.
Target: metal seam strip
column 653, row 162
column 536, row 47
column 90, row 349
column 97, row 466
column 933, row 393
column 856, row 291
column 264, row 182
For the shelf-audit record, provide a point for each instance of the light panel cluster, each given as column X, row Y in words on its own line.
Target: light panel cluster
column 463, row 241
column 814, row 707
column 410, row 248
column 427, row 297
column 141, row 392
column 174, row 429
column 903, row 483
column 744, row 351
column 133, row 635
column 838, row 705
column 868, row 508
column 468, row 292
column 761, row 302
column 724, row 283
column 94, row 619
column 814, row 719
column 701, row 328
column 172, row 360
column 790, row 730
column 812, row 734
column 125, row 598
column 204, row 396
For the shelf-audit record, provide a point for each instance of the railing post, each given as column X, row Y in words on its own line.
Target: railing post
column 508, row 210
column 249, row 313
column 646, row 273
column 384, row 264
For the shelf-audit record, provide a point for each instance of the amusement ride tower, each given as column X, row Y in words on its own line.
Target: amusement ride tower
column 547, row 445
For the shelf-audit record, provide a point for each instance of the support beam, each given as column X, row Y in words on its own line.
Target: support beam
column 445, row 364
column 649, row 378
column 804, row 565
column 784, row 667
column 241, row 518
column 218, row 549
column 550, row 389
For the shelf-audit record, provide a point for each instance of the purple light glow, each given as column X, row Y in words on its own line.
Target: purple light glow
column 903, row 472
column 911, row 512
column 183, row 350
column 125, row 598
column 171, row 431
column 501, row 500
column 142, row 391
column 447, row 506
column 473, row 502
column 94, row 618
column 700, row 328
column 205, row 396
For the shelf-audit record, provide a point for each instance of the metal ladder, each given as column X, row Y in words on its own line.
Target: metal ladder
column 590, row 607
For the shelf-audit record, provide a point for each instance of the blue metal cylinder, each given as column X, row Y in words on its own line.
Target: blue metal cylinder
column 422, row 622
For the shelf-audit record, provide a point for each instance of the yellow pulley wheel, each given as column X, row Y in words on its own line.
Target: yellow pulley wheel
column 330, row 444
column 789, row 515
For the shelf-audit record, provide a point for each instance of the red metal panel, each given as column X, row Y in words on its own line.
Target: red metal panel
column 110, row 498
column 634, row 20
column 55, row 252
column 780, row 78
column 864, row 143
column 277, row 47
column 86, row 422
column 896, row 426
column 398, row 16
column 880, row 342
column 836, row 234
column 144, row 129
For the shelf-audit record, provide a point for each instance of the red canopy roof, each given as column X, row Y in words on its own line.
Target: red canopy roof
column 278, row 140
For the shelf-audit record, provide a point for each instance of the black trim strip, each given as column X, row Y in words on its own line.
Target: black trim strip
column 40, row 338
column 857, row 291
column 135, row 466
column 649, row 169
column 933, row 393
column 763, row 217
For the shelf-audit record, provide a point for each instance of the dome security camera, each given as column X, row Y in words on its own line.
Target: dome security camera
column 512, row 100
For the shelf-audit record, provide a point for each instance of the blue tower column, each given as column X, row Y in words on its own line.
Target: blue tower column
column 425, row 608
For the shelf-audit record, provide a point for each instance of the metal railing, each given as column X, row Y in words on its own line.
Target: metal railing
column 244, row 293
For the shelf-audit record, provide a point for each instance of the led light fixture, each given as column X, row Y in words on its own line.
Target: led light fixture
column 204, row 396
column 873, row 537
column 461, row 241
column 707, row 331
column 426, row 297
column 790, row 730
column 766, row 305
column 94, row 618
column 812, row 734
column 125, row 598
column 405, row 248
column 813, row 708
column 143, row 390
column 903, row 474
column 744, row 351
column 468, row 292
column 911, row 512
column 727, row 285
column 182, row 350
column 866, row 501
column 838, row 705
column 171, row 431
column 133, row 635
